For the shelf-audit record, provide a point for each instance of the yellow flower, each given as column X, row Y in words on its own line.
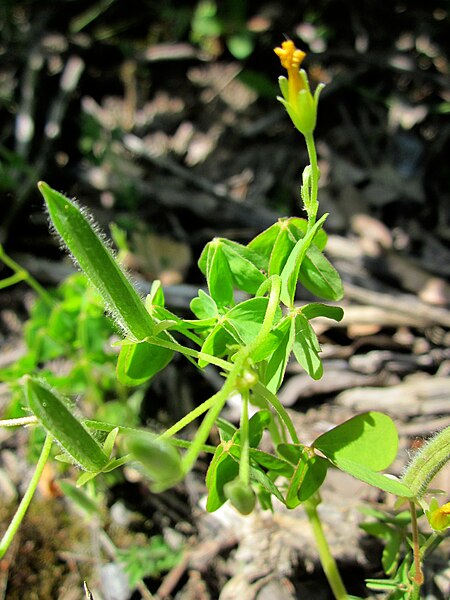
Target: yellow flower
column 300, row 104
column 291, row 58
column 439, row 516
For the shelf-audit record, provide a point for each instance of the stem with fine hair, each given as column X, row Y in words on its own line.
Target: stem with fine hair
column 418, row 573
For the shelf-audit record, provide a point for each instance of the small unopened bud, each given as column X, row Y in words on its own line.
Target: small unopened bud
column 241, row 496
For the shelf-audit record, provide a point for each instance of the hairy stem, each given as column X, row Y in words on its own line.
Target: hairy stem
column 428, row 461
column 418, row 573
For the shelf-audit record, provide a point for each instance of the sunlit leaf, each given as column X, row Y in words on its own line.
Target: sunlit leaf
column 319, row 276
column 245, row 266
column 370, row 439
column 203, row 306
column 306, row 347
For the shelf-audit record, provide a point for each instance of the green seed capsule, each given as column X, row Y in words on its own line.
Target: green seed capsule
column 241, row 496
column 99, row 264
column 56, row 418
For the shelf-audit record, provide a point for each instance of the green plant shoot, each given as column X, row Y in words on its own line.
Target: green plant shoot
column 251, row 341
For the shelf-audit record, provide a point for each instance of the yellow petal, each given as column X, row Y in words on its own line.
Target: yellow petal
column 290, row 57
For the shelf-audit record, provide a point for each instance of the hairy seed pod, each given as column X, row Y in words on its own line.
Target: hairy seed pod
column 97, row 261
column 56, row 418
column 427, row 462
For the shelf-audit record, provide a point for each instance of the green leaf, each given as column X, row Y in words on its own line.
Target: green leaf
column 259, row 421
column 281, row 250
column 316, row 309
column 299, row 228
column 291, row 270
column 218, row 275
column 319, row 276
column 56, row 418
column 300, row 470
column 271, row 341
column 309, row 474
column 291, row 452
column 244, row 264
column 226, row 430
column 244, row 321
column 306, row 347
column 263, row 244
column 108, row 444
column 358, row 471
column 391, row 552
column 271, row 463
column 222, row 469
column 314, row 477
column 274, row 252
column 264, row 498
column 79, row 498
column 260, row 477
column 369, row 439
column 156, row 296
column 203, row 306
column 216, row 344
column 377, row 529
column 140, row 362
column 160, row 460
column 276, row 365
column 98, row 263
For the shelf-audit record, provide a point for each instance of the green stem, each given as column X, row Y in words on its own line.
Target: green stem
column 269, row 317
column 25, row 502
column 223, row 364
column 11, row 280
column 244, row 463
column 315, row 175
column 191, row 416
column 22, row 274
column 19, row 421
column 326, row 558
column 272, row 399
column 418, row 573
column 218, row 400
column 107, row 427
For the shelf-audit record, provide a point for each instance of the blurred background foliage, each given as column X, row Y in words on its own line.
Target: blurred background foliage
column 89, row 89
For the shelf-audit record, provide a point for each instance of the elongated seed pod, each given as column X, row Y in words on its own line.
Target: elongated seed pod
column 98, row 263
column 56, row 418
column 427, row 462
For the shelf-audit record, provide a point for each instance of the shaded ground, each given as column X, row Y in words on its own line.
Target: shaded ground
column 177, row 142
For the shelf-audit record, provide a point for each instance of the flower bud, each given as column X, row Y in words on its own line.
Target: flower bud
column 241, row 496
column 297, row 99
